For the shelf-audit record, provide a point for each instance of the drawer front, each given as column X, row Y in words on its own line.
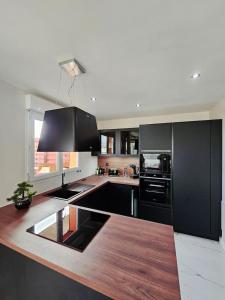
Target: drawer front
column 155, row 214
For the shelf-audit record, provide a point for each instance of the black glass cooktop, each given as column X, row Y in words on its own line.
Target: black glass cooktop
column 72, row 227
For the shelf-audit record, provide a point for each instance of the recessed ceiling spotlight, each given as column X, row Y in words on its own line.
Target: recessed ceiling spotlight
column 195, row 75
column 93, row 99
column 138, row 105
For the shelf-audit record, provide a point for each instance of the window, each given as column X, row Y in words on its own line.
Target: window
column 70, row 160
column 46, row 164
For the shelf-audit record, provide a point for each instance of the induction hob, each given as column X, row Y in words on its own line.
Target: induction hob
column 71, row 227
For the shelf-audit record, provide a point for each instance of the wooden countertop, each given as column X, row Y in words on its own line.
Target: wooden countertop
column 127, row 259
column 99, row 180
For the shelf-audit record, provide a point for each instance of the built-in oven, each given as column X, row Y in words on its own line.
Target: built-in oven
column 155, row 191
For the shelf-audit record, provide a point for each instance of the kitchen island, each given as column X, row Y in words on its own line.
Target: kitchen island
column 127, row 259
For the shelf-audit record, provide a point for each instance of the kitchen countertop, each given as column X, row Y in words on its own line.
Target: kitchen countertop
column 128, row 259
column 99, row 180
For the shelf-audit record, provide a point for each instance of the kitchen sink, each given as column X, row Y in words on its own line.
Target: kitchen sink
column 67, row 193
column 63, row 193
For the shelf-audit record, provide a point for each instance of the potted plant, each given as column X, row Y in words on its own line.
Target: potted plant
column 22, row 196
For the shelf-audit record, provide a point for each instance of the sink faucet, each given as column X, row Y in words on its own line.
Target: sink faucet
column 63, row 178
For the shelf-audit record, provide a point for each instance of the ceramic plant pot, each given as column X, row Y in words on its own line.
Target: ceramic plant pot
column 23, row 203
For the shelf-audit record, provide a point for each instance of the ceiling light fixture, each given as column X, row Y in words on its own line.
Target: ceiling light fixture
column 195, row 75
column 72, row 67
column 138, row 105
column 93, row 99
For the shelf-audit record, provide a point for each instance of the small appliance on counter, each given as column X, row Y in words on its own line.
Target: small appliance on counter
column 135, row 174
column 113, row 172
column 100, row 171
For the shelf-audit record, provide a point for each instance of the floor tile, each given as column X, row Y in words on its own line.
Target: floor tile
column 201, row 267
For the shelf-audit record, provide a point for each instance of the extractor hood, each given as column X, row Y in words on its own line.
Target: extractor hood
column 69, row 129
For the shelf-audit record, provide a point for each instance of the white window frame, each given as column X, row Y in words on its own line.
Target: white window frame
column 32, row 116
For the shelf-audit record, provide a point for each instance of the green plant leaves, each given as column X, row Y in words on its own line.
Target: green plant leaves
column 22, row 192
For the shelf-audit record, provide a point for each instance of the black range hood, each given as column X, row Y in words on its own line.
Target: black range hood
column 69, row 129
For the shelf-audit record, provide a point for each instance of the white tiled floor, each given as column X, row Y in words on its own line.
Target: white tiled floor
column 201, row 267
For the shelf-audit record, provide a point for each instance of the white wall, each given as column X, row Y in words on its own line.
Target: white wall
column 218, row 112
column 12, row 139
column 135, row 122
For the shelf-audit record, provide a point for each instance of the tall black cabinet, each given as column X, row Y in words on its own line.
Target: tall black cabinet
column 196, row 177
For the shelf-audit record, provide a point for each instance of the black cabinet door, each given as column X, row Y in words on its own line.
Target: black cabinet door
column 112, row 197
column 108, row 142
column 32, row 280
column 129, row 140
column 96, row 200
column 216, row 177
column 156, row 137
column 120, row 199
column 191, row 177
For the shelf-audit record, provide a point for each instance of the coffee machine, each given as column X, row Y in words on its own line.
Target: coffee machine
column 135, row 174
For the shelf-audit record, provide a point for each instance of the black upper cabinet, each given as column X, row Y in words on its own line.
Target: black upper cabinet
column 156, row 137
column 108, row 142
column 197, row 177
column 129, row 141
column 119, row 142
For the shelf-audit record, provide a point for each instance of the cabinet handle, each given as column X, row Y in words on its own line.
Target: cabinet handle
column 155, row 178
column 156, row 185
column 154, row 192
column 132, row 202
column 155, row 151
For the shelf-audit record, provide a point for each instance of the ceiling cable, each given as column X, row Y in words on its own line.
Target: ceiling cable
column 73, row 68
column 59, row 86
column 71, row 86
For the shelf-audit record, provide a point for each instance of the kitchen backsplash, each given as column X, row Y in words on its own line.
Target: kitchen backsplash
column 110, row 162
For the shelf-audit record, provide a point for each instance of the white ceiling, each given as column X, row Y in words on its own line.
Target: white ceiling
column 135, row 51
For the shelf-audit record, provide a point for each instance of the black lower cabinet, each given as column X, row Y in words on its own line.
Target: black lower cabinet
column 24, row 279
column 96, row 199
column 112, row 197
column 196, row 189
column 119, row 199
column 154, row 213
